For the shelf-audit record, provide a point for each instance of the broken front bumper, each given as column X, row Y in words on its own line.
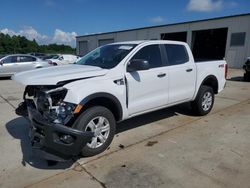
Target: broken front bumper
column 54, row 141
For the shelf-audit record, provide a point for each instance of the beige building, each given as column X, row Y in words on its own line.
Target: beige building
column 216, row 38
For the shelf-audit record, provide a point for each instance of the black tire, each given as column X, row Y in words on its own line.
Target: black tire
column 85, row 118
column 246, row 77
column 197, row 103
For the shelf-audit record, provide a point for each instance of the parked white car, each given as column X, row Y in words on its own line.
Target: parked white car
column 75, row 108
column 11, row 64
column 63, row 59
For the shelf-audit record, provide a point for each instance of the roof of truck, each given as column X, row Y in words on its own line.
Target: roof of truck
column 136, row 42
column 131, row 42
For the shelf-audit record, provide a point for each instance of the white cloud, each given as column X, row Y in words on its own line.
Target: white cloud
column 30, row 33
column 205, row 5
column 157, row 19
column 59, row 37
column 8, row 31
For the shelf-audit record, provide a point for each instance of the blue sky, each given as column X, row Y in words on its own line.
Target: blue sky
column 60, row 21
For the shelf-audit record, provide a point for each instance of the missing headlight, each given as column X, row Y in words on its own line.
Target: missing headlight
column 62, row 113
column 56, row 96
column 49, row 101
column 51, row 105
column 59, row 111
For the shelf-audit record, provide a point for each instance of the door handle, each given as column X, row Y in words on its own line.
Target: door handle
column 161, row 75
column 189, row 70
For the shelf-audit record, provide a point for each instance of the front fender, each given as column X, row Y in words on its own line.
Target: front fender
column 79, row 92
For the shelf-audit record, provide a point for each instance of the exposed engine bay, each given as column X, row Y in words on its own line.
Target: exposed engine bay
column 48, row 100
column 51, row 134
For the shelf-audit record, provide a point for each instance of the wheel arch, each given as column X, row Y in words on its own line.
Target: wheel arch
column 212, row 82
column 104, row 99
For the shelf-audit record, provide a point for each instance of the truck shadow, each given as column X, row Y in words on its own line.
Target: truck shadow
column 19, row 129
column 151, row 117
column 236, row 78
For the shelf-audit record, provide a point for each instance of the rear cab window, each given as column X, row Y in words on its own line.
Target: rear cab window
column 176, row 54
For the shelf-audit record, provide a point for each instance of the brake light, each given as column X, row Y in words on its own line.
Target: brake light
column 226, row 71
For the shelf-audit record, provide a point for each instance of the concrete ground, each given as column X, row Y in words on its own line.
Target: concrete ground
column 167, row 148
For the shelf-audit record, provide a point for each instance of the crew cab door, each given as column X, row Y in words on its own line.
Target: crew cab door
column 147, row 89
column 182, row 73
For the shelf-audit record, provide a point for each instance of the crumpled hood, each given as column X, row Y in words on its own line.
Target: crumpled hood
column 53, row 75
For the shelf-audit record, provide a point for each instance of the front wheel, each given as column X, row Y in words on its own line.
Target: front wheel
column 101, row 122
column 204, row 101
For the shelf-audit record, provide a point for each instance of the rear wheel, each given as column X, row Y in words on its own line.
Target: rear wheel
column 246, row 77
column 101, row 122
column 204, row 101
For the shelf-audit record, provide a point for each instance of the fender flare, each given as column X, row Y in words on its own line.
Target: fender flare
column 210, row 77
column 107, row 96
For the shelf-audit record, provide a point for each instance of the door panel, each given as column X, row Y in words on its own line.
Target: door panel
column 181, row 82
column 9, row 66
column 25, row 63
column 24, row 66
column 182, row 73
column 148, row 89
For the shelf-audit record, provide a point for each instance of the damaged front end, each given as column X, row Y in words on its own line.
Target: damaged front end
column 52, row 136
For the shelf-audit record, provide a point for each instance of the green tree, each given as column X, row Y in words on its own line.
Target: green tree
column 20, row 44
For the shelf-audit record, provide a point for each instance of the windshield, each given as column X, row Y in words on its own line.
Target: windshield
column 107, row 56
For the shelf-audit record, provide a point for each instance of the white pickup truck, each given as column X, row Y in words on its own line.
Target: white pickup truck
column 73, row 109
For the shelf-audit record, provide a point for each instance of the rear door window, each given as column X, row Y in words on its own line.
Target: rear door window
column 176, row 54
column 26, row 59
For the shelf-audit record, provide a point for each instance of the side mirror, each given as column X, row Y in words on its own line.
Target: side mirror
column 1, row 62
column 137, row 64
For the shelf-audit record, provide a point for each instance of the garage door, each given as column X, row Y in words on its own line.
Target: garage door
column 83, row 48
column 209, row 44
